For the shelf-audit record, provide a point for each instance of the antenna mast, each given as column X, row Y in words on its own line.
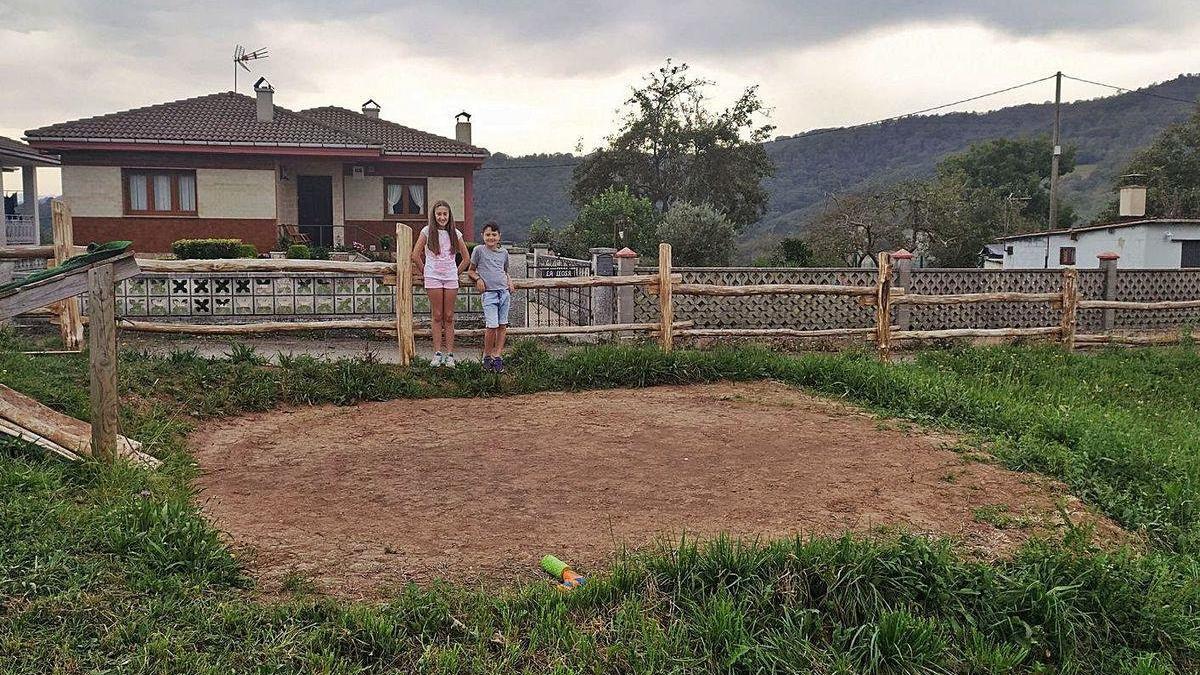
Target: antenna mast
column 241, row 56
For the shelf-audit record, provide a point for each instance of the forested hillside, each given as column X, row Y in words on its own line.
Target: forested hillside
column 1106, row 131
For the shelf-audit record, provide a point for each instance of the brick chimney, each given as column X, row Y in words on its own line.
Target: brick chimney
column 371, row 108
column 264, row 93
column 462, row 127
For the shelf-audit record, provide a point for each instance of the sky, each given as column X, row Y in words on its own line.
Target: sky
column 550, row 76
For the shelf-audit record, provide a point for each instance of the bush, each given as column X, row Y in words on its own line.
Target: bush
column 299, row 252
column 602, row 221
column 698, row 235
column 247, row 251
column 208, row 249
column 320, row 253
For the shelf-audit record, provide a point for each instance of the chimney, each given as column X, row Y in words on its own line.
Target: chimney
column 1133, row 201
column 264, row 94
column 371, row 108
column 462, row 127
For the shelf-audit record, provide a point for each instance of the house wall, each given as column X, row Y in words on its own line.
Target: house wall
column 364, row 201
column 235, row 193
column 1140, row 247
column 93, row 191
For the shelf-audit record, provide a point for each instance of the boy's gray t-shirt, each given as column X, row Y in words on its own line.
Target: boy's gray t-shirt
column 492, row 267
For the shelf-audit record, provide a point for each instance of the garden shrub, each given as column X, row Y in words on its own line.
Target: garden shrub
column 299, row 252
column 209, row 249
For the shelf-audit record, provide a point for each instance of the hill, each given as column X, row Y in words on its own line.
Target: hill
column 1106, row 131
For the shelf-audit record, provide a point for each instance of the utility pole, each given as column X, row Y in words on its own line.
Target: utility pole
column 1057, row 143
column 1055, row 154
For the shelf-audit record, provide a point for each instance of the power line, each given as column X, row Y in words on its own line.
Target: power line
column 1130, row 91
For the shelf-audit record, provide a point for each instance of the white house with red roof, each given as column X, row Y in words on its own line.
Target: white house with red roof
column 229, row 165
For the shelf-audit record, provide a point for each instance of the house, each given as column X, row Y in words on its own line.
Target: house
column 230, row 165
column 19, row 220
column 1147, row 243
column 991, row 256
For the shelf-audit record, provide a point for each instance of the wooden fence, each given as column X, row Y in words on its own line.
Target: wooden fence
column 883, row 297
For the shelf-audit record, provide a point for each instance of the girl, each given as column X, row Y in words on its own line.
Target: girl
column 433, row 255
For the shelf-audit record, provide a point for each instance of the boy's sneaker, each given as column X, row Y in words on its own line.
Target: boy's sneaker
column 436, row 360
column 498, row 365
column 448, row 360
column 487, row 363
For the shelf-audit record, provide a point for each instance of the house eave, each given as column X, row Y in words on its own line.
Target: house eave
column 1103, row 226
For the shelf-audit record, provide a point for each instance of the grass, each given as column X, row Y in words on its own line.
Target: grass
column 113, row 568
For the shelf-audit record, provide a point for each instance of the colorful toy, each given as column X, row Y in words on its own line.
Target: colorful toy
column 559, row 570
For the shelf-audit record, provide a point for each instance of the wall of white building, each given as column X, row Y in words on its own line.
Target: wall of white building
column 1147, row 246
column 235, row 193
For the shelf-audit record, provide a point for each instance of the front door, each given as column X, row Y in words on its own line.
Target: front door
column 315, row 210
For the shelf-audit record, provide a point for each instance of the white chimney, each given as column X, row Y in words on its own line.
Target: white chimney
column 265, row 95
column 1133, row 201
column 371, row 108
column 462, row 127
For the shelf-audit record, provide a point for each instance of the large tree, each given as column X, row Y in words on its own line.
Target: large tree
column 1170, row 169
column 671, row 147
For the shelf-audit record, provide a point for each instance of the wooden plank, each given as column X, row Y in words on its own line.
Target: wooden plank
column 883, row 307
column 70, row 326
column 1159, row 338
column 967, row 298
column 10, row 429
column 267, row 265
column 102, row 361
column 648, row 280
column 777, row 332
column 666, row 305
column 405, row 340
column 253, row 328
column 48, row 291
column 27, row 252
column 974, row 332
column 772, row 289
column 549, row 331
column 1121, row 304
column 72, row 434
column 1070, row 300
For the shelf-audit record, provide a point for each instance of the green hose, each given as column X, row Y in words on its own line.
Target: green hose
column 553, row 566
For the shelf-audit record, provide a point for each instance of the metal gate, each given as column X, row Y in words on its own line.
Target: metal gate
column 558, row 306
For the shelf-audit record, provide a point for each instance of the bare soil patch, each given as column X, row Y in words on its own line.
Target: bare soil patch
column 365, row 498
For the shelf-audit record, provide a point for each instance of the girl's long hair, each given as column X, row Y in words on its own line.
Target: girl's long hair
column 433, row 240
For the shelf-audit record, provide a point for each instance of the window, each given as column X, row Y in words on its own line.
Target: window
column 1066, row 255
column 160, row 192
column 404, row 197
column 1190, row 255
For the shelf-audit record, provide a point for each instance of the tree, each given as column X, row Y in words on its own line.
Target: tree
column 614, row 218
column 540, row 231
column 671, row 147
column 699, row 235
column 1019, row 167
column 854, row 227
column 1170, row 168
column 795, row 252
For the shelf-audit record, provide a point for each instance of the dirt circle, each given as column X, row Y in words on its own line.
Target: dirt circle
column 368, row 497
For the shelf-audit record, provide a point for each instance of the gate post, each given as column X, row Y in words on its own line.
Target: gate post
column 602, row 296
column 666, row 307
column 627, row 262
column 1108, row 264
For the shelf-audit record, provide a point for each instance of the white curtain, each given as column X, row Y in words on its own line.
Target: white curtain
column 137, row 192
column 162, row 192
column 394, row 196
column 187, row 192
column 416, row 195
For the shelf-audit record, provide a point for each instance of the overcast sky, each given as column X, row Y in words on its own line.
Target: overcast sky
column 540, row 76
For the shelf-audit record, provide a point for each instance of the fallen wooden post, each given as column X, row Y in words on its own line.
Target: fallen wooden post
column 71, row 434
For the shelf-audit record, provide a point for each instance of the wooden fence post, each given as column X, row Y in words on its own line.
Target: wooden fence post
column 883, row 307
column 1070, row 305
column 1108, row 264
column 404, row 294
column 903, row 261
column 102, row 361
column 70, row 323
column 666, row 310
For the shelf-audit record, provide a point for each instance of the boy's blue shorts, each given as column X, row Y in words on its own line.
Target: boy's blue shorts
column 495, row 308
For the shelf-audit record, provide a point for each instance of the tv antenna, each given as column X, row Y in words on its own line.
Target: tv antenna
column 241, row 56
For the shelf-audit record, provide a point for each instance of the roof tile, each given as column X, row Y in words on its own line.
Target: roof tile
column 395, row 138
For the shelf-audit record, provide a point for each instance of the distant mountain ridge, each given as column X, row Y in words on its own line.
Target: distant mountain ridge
column 811, row 165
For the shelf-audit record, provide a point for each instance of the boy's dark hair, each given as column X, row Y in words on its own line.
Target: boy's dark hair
column 491, row 225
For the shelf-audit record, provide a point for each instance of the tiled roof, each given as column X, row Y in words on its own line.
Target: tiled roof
column 18, row 151
column 395, row 138
column 224, row 118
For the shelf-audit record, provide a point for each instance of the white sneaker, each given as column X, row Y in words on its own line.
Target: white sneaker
column 437, row 359
column 448, row 360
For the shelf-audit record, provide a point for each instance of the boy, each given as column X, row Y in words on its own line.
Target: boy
column 489, row 271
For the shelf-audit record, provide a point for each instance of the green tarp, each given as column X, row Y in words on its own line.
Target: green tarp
column 95, row 253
